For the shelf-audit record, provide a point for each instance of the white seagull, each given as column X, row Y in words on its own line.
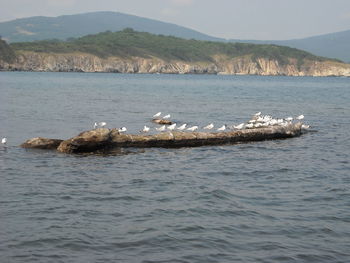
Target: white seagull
column 122, row 129
column 249, row 125
column 305, row 126
column 222, row 128
column 182, row 127
column 162, row 128
column 209, row 126
column 300, row 117
column 4, row 141
column 171, row 127
column 145, row 129
column 157, row 114
column 289, row 119
column 102, row 124
column 239, row 126
column 257, row 114
column 193, row 128
column 166, row 116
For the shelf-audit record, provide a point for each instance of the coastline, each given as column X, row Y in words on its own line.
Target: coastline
column 244, row 65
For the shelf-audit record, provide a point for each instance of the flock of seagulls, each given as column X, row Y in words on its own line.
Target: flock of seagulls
column 257, row 121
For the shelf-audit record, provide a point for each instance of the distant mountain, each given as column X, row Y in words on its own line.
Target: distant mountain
column 334, row 45
column 67, row 26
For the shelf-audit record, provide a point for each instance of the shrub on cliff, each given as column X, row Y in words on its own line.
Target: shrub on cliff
column 6, row 52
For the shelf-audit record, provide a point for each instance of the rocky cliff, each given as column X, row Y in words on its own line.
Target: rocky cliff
column 244, row 65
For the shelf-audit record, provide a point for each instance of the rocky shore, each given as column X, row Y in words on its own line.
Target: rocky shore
column 245, row 65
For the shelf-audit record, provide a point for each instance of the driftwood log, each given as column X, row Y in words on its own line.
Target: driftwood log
column 104, row 139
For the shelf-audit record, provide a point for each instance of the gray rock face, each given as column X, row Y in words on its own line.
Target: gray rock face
column 78, row 62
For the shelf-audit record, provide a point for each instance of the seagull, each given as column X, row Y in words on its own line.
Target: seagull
column 239, row 126
column 4, row 141
column 182, row 127
column 145, row 129
column 122, row 129
column 304, row 127
column 273, row 122
column 300, row 117
column 166, row 116
column 193, row 128
column 257, row 114
column 222, row 128
column 250, row 125
column 157, row 114
column 289, row 119
column 209, row 126
column 102, row 124
column 171, row 127
column 161, row 128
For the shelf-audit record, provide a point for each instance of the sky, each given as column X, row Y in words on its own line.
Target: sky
column 231, row 19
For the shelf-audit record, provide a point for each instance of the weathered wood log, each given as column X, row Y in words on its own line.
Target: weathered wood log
column 41, row 143
column 88, row 141
column 104, row 139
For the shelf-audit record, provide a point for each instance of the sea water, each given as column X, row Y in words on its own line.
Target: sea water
column 270, row 201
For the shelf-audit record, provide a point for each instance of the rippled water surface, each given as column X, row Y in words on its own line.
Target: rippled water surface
column 272, row 201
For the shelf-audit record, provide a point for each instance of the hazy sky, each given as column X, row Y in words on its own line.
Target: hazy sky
column 243, row 19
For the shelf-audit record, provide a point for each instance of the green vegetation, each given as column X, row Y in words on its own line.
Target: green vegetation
column 6, row 53
column 129, row 43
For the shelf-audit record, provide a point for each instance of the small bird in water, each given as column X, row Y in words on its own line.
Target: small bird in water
column 209, row 127
column 4, row 141
column 289, row 119
column 182, row 127
column 157, row 114
column 166, row 116
column 193, row 128
column 172, row 127
column 300, row 117
column 162, row 128
column 145, row 129
column 222, row 128
column 257, row 114
column 122, row 129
